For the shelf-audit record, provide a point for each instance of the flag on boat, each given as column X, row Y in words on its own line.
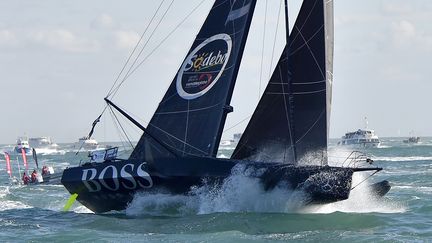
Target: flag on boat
column 93, row 126
column 8, row 165
column 23, row 152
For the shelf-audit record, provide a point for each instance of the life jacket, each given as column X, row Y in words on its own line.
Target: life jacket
column 33, row 177
column 45, row 171
column 25, row 179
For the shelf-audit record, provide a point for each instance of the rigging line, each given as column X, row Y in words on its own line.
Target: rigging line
column 313, row 55
column 307, row 83
column 189, row 110
column 308, row 40
column 308, row 92
column 262, row 50
column 115, row 116
column 136, row 117
column 306, row 20
column 364, row 180
column 313, row 125
column 142, row 49
column 275, row 37
column 91, row 131
column 134, row 49
column 122, row 139
column 175, row 149
column 164, row 39
column 237, row 123
column 175, row 138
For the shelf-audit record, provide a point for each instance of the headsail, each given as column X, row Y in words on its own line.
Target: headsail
column 191, row 116
column 291, row 120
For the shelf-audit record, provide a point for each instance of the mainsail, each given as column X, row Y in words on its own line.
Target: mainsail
column 190, row 118
column 290, row 123
column 269, row 134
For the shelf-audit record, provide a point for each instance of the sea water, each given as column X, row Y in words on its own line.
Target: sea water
column 237, row 211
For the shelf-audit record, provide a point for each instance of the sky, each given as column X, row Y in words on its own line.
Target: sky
column 58, row 60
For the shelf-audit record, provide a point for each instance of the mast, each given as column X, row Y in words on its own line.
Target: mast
column 286, row 22
column 292, row 143
column 228, row 108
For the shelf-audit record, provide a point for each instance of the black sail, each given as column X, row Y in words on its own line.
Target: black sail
column 290, row 122
column 269, row 134
column 190, row 118
column 308, row 71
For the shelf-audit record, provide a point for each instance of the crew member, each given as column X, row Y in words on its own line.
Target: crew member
column 45, row 170
column 34, row 176
column 25, row 179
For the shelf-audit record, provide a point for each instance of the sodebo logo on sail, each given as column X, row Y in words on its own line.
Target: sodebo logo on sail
column 203, row 66
column 129, row 177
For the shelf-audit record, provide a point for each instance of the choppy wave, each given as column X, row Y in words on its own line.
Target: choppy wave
column 6, row 204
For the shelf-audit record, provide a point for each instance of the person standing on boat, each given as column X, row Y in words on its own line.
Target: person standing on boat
column 34, row 176
column 45, row 170
column 25, row 179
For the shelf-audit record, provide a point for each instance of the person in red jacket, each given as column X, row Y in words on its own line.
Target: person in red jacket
column 45, row 170
column 34, row 176
column 25, row 179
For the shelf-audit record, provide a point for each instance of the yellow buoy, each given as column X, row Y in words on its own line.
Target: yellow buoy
column 69, row 203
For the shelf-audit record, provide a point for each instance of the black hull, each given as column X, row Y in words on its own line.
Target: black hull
column 107, row 186
column 52, row 179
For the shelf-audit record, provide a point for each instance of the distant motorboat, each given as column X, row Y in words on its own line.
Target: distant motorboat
column 86, row 143
column 42, row 142
column 412, row 140
column 361, row 137
column 22, row 143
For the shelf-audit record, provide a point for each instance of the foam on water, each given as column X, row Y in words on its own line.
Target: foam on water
column 400, row 159
column 238, row 193
column 242, row 193
column 361, row 200
column 6, row 204
column 50, row 151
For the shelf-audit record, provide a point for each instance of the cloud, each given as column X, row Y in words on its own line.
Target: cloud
column 65, row 40
column 397, row 7
column 7, row 38
column 103, row 21
column 126, row 39
column 406, row 35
